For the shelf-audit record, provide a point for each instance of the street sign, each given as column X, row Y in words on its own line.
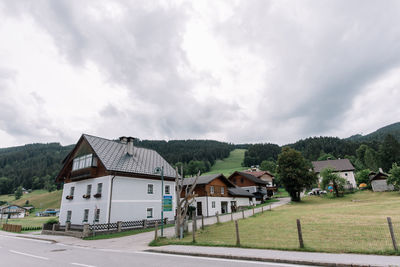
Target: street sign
column 167, row 203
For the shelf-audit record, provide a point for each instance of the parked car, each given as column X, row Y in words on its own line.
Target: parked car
column 316, row 192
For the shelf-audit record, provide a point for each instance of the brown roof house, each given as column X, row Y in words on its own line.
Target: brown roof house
column 261, row 189
column 343, row 167
column 214, row 193
column 378, row 181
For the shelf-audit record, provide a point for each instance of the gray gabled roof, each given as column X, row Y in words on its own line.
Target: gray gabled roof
column 113, row 155
column 202, row 179
column 337, row 165
column 251, row 177
column 238, row 191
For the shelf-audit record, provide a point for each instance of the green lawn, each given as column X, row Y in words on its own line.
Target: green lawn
column 230, row 164
column 355, row 223
column 30, row 220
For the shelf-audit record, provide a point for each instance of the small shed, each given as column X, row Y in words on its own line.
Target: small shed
column 378, row 181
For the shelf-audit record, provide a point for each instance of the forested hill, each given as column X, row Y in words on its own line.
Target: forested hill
column 30, row 166
column 379, row 135
column 35, row 166
column 378, row 149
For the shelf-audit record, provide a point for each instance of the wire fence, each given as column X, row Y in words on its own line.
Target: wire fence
column 317, row 235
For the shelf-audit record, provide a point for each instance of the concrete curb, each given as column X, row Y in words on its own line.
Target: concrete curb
column 37, row 238
column 275, row 260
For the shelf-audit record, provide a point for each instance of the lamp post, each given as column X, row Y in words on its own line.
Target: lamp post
column 161, row 171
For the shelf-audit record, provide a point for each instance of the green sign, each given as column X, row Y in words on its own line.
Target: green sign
column 167, row 203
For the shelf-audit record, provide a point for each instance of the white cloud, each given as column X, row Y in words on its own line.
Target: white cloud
column 241, row 71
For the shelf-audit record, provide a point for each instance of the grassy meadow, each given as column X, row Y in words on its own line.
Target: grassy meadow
column 40, row 199
column 230, row 164
column 355, row 223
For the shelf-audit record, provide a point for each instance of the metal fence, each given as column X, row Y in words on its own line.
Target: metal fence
column 125, row 226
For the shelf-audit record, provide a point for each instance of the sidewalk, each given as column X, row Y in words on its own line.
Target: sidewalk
column 295, row 257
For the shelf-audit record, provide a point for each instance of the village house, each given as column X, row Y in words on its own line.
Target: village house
column 106, row 181
column 249, row 182
column 13, row 212
column 214, row 193
column 343, row 167
column 378, row 181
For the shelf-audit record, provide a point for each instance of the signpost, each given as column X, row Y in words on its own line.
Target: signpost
column 167, row 203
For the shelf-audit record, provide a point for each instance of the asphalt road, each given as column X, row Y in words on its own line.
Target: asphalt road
column 16, row 251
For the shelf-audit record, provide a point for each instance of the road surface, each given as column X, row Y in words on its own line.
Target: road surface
column 17, row 251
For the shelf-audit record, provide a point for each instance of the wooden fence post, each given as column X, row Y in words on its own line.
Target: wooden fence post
column 202, row 222
column 144, row 223
column 389, row 220
column 253, row 210
column 262, row 209
column 270, row 207
column 300, row 234
column 194, row 228
column 231, row 216
column 237, row 234
column 155, row 230
column 242, row 214
column 217, row 216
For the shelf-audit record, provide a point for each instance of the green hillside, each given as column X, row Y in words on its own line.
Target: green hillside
column 230, row 164
column 40, row 199
column 379, row 135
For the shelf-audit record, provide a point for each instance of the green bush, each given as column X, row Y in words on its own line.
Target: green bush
column 52, row 221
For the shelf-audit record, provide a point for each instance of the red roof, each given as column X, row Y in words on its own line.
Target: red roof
column 258, row 174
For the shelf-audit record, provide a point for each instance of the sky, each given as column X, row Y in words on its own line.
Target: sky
column 246, row 71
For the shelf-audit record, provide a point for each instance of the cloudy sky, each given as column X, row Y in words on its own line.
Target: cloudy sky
column 236, row 71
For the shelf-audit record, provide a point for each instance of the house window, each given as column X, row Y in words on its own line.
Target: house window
column 211, row 189
column 149, row 189
column 345, row 174
column 88, row 189
column 149, row 213
column 167, row 190
column 222, row 190
column 72, row 190
column 83, row 162
column 234, row 180
column 213, row 204
column 99, row 188
column 69, row 215
column 85, row 215
column 96, row 215
column 241, row 180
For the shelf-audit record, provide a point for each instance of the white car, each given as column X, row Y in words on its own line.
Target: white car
column 316, row 192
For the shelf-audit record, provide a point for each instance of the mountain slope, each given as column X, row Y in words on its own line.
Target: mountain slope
column 378, row 135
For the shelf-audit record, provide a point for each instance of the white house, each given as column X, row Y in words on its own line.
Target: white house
column 107, row 181
column 215, row 193
column 12, row 212
column 343, row 167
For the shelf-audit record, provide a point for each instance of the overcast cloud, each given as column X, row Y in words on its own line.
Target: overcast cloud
column 236, row 71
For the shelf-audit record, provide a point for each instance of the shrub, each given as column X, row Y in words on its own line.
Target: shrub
column 52, row 221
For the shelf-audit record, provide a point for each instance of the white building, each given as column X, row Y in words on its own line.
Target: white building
column 107, row 181
column 215, row 193
column 343, row 167
column 12, row 212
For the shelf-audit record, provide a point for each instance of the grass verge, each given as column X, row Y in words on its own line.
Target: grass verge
column 230, row 164
column 355, row 223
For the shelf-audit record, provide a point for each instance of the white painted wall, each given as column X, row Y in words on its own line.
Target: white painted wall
column 78, row 204
column 131, row 200
column 349, row 176
column 240, row 201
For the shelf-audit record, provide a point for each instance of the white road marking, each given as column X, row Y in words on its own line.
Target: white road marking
column 81, row 264
column 29, row 255
column 29, row 239
column 226, row 260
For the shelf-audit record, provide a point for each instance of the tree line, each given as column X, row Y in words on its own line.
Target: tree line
column 35, row 166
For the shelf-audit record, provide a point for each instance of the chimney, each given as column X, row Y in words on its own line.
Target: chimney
column 129, row 146
column 123, row 139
